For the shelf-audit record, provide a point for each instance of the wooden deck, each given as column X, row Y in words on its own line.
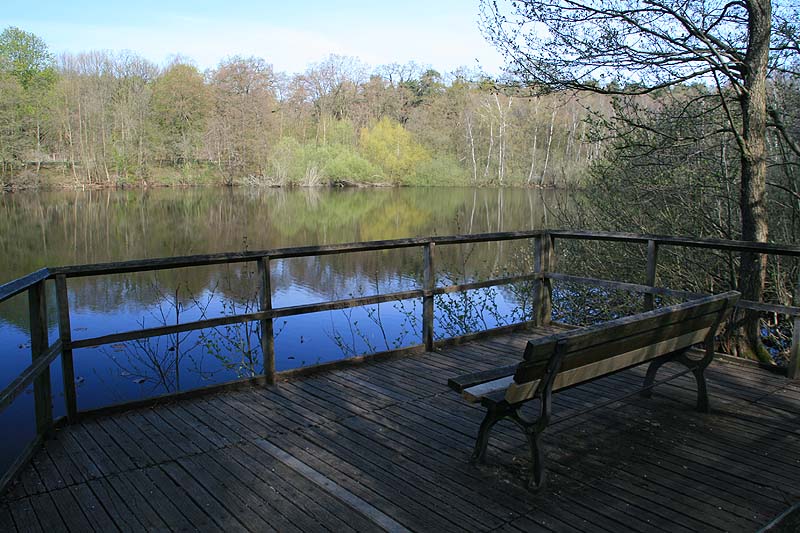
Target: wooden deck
column 385, row 445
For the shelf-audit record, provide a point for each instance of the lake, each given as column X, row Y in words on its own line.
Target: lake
column 72, row 227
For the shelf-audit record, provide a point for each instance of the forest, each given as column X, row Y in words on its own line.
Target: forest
column 116, row 119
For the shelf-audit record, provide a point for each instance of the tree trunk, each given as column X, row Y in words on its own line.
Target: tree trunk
column 491, row 145
column 472, row 150
column 535, row 138
column 753, row 199
column 549, row 144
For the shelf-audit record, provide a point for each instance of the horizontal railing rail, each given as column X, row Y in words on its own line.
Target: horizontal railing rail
column 687, row 242
column 33, row 371
column 661, row 291
column 20, row 285
column 280, row 312
column 543, row 275
column 144, row 265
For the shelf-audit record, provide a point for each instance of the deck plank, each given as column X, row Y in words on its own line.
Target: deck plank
column 92, row 508
column 399, row 506
column 72, row 513
column 299, row 503
column 24, row 515
column 432, row 494
column 47, row 513
column 232, row 511
column 6, row 520
column 177, row 506
column 140, row 505
column 385, row 446
column 119, row 512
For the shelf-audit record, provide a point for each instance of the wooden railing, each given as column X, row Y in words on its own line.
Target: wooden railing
column 43, row 353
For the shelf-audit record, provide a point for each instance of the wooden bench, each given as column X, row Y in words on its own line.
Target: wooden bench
column 556, row 362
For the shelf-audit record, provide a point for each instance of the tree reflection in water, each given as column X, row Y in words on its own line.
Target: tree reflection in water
column 58, row 228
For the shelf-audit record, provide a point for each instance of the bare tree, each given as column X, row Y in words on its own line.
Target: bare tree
column 635, row 47
column 333, row 85
column 244, row 98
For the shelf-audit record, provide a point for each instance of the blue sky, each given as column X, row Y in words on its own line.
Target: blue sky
column 290, row 35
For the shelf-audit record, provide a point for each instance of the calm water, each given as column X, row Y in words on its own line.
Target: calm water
column 60, row 228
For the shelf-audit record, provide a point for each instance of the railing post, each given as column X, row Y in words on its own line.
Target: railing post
column 65, row 333
column 267, row 334
column 544, row 262
column 429, row 283
column 793, row 371
column 42, row 394
column 650, row 277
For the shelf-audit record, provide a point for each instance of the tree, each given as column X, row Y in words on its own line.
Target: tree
column 429, row 84
column 12, row 134
column 24, row 56
column 333, row 86
column 115, row 119
column 636, row 47
column 181, row 106
column 131, row 111
column 244, row 94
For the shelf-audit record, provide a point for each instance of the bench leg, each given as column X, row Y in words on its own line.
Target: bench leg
column 697, row 367
column 702, row 389
column 482, row 442
column 537, row 480
column 533, row 429
column 533, row 433
column 650, row 378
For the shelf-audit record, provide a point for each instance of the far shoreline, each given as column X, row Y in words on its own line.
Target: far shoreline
column 31, row 180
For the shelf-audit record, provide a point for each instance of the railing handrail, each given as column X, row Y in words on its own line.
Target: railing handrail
column 687, row 242
column 142, row 265
column 20, row 285
column 14, row 287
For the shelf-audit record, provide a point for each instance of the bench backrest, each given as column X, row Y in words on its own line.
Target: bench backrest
column 618, row 344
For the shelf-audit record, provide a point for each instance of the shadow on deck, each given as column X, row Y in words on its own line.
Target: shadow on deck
column 385, row 445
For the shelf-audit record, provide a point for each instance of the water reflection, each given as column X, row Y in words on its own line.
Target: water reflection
column 58, row 228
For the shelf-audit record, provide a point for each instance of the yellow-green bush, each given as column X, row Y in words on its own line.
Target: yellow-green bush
column 390, row 146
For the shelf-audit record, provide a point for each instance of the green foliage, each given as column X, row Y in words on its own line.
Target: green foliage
column 443, row 169
column 181, row 105
column 282, row 162
column 310, row 164
column 294, row 163
column 390, row 146
column 349, row 167
column 27, row 75
column 429, row 84
column 12, row 133
column 341, row 132
column 24, row 56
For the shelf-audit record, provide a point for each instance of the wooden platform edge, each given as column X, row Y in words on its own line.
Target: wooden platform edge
column 776, row 525
column 741, row 361
column 25, row 457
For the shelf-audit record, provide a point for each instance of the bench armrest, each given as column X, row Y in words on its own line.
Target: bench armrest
column 459, row 383
column 494, row 391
